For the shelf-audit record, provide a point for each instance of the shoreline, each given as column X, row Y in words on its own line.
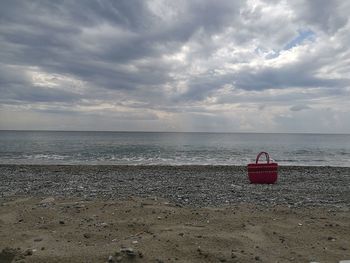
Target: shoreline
column 163, row 165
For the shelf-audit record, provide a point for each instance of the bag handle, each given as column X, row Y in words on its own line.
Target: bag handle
column 266, row 155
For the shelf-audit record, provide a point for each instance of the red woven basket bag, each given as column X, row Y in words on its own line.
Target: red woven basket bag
column 262, row 173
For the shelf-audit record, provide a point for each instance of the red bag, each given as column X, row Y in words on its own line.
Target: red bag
column 262, row 173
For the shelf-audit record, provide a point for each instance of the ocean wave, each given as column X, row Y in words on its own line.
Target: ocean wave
column 190, row 149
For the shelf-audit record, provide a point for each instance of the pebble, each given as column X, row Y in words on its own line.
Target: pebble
column 48, row 200
column 111, row 259
column 180, row 181
column 28, row 252
column 128, row 251
column 38, row 239
column 104, row 224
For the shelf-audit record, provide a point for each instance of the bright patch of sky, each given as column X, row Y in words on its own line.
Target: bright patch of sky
column 303, row 35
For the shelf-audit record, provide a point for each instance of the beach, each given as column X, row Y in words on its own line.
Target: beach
column 71, row 213
column 137, row 131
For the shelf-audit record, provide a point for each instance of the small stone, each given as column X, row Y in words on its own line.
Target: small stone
column 257, row 258
column 331, row 238
column 61, row 222
column 86, row 235
column 129, row 251
column 28, row 252
column 48, row 200
column 38, row 239
column 111, row 259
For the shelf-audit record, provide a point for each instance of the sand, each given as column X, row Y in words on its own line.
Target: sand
column 43, row 225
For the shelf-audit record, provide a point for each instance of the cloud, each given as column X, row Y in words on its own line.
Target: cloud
column 324, row 15
column 192, row 62
column 299, row 107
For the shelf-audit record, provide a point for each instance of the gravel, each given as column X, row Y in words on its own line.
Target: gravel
column 197, row 186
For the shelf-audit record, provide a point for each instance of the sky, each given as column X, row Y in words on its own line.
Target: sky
column 164, row 65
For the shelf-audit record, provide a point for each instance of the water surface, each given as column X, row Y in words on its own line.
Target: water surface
column 143, row 148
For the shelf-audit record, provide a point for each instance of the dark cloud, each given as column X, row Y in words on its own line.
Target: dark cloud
column 328, row 16
column 41, row 94
column 287, row 77
column 170, row 57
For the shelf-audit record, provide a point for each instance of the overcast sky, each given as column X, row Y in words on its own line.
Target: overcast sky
column 218, row 66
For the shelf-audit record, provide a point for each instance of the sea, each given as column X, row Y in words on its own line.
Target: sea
column 167, row 148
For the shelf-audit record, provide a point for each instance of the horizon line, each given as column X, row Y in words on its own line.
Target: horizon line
column 212, row 132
